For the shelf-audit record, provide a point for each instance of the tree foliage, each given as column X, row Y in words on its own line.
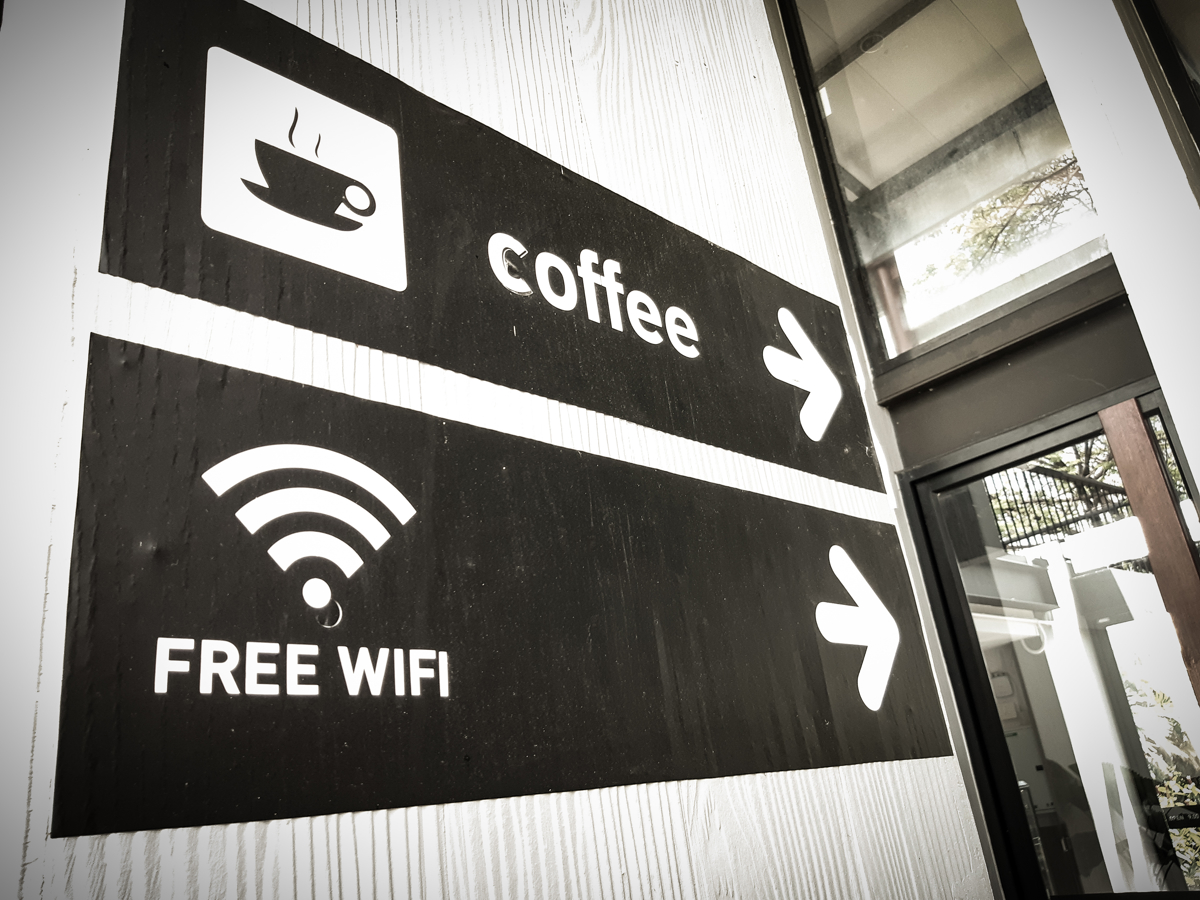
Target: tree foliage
column 1011, row 220
column 1174, row 766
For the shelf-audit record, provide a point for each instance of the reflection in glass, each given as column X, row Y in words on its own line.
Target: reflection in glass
column 1174, row 474
column 961, row 187
column 1085, row 669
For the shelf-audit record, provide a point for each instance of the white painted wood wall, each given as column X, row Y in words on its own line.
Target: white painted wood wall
column 679, row 106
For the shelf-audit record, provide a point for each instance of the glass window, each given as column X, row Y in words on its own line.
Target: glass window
column 1173, row 472
column 960, row 186
column 1099, row 716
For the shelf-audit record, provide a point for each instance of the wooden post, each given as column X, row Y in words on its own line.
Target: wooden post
column 1172, row 556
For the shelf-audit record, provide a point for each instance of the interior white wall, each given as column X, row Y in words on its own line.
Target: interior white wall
column 680, row 108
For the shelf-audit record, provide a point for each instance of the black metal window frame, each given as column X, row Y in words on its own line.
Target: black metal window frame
column 1038, row 311
column 1159, row 36
column 1004, row 815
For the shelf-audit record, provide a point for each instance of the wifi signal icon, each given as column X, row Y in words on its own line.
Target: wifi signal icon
column 306, row 544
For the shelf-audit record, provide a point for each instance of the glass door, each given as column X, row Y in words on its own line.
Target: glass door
column 1072, row 601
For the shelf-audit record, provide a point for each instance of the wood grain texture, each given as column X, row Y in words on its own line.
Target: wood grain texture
column 882, row 830
column 682, row 108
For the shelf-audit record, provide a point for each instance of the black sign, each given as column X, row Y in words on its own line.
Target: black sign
column 255, row 166
column 286, row 601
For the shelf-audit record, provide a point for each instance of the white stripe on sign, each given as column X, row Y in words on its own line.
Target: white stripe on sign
column 218, row 334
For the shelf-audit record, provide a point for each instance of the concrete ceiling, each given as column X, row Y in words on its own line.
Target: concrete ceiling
column 941, row 67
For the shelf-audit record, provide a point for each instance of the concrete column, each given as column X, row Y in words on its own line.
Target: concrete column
column 1141, row 189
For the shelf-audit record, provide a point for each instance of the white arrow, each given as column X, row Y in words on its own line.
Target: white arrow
column 807, row 371
column 867, row 624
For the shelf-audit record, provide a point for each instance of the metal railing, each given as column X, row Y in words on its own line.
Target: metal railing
column 1034, row 504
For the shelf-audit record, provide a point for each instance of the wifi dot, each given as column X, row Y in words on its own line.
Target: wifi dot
column 316, row 593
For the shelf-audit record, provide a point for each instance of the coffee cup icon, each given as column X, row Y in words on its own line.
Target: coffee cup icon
column 308, row 190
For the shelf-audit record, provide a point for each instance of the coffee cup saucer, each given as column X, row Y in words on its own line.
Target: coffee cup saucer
column 336, row 221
